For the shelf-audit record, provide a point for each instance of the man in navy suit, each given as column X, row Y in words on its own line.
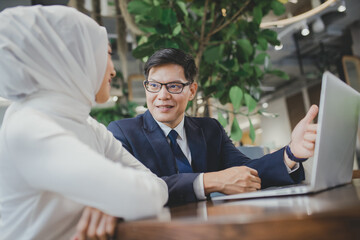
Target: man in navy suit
column 194, row 155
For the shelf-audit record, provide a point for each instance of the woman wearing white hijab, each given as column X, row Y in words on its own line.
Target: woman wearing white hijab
column 54, row 158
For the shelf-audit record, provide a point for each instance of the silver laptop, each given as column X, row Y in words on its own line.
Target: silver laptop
column 335, row 142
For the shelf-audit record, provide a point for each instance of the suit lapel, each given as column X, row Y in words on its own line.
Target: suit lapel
column 197, row 145
column 161, row 147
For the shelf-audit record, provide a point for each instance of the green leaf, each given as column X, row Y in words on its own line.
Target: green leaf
column 155, row 13
column 263, row 44
column 138, row 7
column 222, row 120
column 229, row 63
column 258, row 72
column 144, row 59
column 250, row 102
column 219, row 94
column 224, row 99
column 168, row 16
column 142, row 40
column 252, row 131
column 148, row 29
column 277, row 7
column 212, row 54
column 279, row 73
column 182, row 6
column 223, row 67
column 236, row 95
column 236, row 67
column 260, row 58
column 230, row 31
column 165, row 43
column 197, row 9
column 270, row 36
column 246, row 47
column 247, row 69
column 257, row 15
column 162, row 30
column 177, row 29
column 143, row 50
column 236, row 132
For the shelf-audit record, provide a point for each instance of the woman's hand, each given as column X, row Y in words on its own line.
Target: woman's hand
column 94, row 225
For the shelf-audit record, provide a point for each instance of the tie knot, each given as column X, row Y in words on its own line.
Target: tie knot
column 173, row 135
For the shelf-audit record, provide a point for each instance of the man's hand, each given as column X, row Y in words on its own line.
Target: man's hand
column 94, row 225
column 303, row 137
column 232, row 180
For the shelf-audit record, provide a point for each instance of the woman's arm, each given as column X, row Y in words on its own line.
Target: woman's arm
column 53, row 159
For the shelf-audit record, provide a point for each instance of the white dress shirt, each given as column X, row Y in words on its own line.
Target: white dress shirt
column 198, row 183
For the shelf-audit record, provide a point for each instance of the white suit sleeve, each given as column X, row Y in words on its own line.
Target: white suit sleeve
column 53, row 159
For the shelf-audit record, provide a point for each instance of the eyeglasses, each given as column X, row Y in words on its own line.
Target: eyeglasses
column 172, row 87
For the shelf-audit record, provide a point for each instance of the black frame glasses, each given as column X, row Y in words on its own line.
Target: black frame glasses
column 171, row 87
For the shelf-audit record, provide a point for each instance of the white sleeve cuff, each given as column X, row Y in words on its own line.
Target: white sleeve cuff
column 198, row 185
column 296, row 167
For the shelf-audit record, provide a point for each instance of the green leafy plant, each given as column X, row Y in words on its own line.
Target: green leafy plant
column 119, row 111
column 227, row 43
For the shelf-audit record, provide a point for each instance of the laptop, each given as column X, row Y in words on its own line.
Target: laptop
column 333, row 159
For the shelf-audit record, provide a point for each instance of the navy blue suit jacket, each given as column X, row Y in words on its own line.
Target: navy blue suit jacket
column 210, row 147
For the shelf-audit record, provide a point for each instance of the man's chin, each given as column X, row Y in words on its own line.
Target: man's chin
column 163, row 119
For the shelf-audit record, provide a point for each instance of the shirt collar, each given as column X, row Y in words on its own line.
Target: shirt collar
column 179, row 128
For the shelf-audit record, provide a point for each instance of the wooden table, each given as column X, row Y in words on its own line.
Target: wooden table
column 331, row 214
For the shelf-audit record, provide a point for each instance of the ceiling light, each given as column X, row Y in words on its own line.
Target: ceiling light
column 305, row 30
column 115, row 98
column 279, row 47
column 342, row 7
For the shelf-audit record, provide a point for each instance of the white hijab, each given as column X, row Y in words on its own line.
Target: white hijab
column 53, row 57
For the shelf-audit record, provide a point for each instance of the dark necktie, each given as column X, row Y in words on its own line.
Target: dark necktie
column 182, row 162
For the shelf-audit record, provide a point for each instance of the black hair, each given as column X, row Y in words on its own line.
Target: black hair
column 172, row 56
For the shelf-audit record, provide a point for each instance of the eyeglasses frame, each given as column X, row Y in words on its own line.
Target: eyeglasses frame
column 165, row 84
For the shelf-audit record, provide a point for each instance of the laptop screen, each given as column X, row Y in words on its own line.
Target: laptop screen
column 336, row 135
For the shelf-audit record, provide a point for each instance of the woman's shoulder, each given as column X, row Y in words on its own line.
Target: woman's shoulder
column 28, row 124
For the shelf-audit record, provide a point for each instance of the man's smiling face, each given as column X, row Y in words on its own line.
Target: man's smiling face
column 166, row 107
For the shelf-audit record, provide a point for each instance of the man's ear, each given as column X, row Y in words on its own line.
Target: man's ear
column 193, row 89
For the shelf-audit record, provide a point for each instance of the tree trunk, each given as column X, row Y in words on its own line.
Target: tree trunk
column 122, row 48
column 96, row 11
column 78, row 4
